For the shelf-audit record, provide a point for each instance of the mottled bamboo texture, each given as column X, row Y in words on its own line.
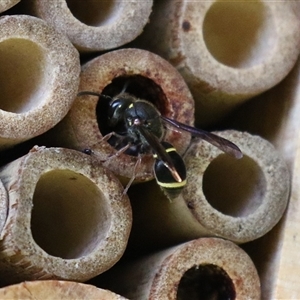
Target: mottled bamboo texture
column 39, row 76
column 54, row 289
column 227, row 51
column 67, row 217
column 96, row 25
column 206, row 268
column 147, row 76
column 240, row 200
column 6, row 4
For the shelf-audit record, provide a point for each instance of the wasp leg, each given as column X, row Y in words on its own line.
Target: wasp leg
column 137, row 164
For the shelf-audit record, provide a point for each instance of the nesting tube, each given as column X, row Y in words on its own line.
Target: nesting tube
column 206, row 268
column 67, row 217
column 7, row 4
column 227, row 51
column 146, row 76
column 3, row 205
column 39, row 76
column 96, row 25
column 240, row 200
column 54, row 289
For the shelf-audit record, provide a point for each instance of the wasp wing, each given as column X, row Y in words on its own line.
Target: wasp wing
column 160, row 151
column 219, row 142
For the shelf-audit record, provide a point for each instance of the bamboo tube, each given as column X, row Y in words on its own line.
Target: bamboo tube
column 240, row 200
column 3, row 205
column 39, row 94
column 206, row 268
column 67, row 217
column 227, row 51
column 149, row 77
column 52, row 289
column 96, row 25
column 7, row 4
column 276, row 254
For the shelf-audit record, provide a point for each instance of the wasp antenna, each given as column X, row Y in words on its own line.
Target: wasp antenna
column 125, row 87
column 83, row 93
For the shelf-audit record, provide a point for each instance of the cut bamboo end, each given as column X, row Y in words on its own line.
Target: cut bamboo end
column 227, row 51
column 206, row 268
column 240, row 200
column 7, row 4
column 39, row 94
column 96, row 25
column 67, row 217
column 53, row 289
column 148, row 77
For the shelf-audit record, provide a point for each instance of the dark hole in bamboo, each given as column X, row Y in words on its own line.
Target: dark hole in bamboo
column 95, row 13
column 206, row 282
column 137, row 85
column 70, row 216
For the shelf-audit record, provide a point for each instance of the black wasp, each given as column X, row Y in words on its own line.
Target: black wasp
column 140, row 129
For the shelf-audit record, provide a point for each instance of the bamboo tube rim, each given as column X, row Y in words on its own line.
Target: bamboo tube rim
column 253, row 77
column 107, row 222
column 114, row 24
column 55, row 289
column 263, row 207
column 173, row 98
column 243, row 279
column 51, row 76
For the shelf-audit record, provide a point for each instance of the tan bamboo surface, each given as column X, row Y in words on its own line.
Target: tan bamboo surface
column 147, row 75
column 54, row 289
column 275, row 116
column 3, row 205
column 39, row 76
column 206, row 268
column 96, row 25
column 6, row 4
column 227, row 51
column 67, row 217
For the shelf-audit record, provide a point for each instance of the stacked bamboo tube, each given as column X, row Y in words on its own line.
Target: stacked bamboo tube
column 67, row 217
column 56, row 290
column 45, row 88
column 39, row 94
column 227, row 51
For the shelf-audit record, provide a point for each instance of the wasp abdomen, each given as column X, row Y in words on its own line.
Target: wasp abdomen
column 163, row 175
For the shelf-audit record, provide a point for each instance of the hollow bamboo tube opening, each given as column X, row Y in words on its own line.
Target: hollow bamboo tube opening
column 107, row 11
column 145, row 75
column 206, row 281
column 205, row 268
column 79, row 209
column 227, row 51
column 237, row 199
column 96, row 25
column 241, row 185
column 39, row 76
column 239, row 34
column 22, row 90
column 240, row 200
column 74, row 223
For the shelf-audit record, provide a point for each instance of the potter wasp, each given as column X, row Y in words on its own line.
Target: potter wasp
column 139, row 129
